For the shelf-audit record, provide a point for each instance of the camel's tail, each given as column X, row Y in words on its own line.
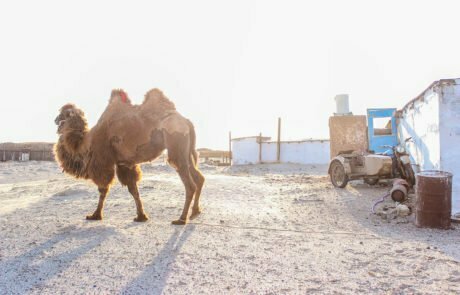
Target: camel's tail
column 193, row 152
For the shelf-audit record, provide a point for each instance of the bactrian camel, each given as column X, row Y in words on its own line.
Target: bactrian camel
column 125, row 136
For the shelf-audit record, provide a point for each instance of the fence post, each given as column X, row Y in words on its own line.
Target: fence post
column 230, row 147
column 260, row 148
column 278, row 143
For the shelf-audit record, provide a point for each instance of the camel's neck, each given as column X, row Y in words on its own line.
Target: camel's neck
column 72, row 153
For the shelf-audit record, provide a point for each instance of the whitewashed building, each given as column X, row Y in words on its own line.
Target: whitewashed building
column 252, row 150
column 432, row 119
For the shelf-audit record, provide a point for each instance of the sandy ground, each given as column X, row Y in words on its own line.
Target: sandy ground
column 264, row 230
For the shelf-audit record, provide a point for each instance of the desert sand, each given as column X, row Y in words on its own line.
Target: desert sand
column 265, row 229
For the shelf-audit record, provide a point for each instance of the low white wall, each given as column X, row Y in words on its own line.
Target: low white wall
column 306, row 152
column 269, row 152
column 246, row 151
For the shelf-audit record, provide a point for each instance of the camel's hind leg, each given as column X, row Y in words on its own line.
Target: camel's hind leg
column 129, row 177
column 198, row 178
column 190, row 189
column 179, row 158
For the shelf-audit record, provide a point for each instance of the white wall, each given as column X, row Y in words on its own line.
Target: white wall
column 449, row 129
column 434, row 124
column 306, row 152
column 269, row 152
column 421, row 122
column 246, row 151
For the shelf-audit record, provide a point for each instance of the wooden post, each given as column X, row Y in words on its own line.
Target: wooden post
column 230, row 147
column 260, row 148
column 278, row 143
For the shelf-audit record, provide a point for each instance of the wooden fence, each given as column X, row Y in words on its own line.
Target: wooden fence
column 220, row 158
column 26, row 155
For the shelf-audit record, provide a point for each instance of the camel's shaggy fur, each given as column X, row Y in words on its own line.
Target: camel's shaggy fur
column 125, row 136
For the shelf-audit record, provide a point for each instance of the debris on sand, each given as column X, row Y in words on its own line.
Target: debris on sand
column 269, row 230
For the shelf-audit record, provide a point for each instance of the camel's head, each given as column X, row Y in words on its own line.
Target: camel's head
column 70, row 117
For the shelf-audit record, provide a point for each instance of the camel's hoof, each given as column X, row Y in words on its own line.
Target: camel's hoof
column 179, row 222
column 94, row 217
column 141, row 218
column 195, row 214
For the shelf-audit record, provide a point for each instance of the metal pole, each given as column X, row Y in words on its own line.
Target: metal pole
column 278, row 144
column 260, row 148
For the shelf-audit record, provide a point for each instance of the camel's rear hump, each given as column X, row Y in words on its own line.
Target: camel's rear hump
column 156, row 101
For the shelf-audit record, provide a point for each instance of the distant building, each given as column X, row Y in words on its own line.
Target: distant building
column 214, row 157
column 28, row 151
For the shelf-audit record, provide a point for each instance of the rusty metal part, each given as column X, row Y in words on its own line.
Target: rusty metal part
column 433, row 199
column 398, row 193
column 399, row 181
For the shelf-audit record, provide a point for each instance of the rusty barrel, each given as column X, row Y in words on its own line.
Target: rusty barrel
column 433, row 203
column 399, row 191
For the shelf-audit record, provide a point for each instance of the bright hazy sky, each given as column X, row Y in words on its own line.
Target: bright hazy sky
column 227, row 65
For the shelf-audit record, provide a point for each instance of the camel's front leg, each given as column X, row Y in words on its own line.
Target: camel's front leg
column 141, row 216
column 130, row 176
column 97, row 215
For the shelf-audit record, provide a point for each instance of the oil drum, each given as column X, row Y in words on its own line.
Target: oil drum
column 433, row 203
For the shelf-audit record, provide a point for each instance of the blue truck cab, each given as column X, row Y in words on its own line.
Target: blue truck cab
column 382, row 130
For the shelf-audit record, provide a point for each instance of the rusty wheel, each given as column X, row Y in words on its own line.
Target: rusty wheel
column 338, row 176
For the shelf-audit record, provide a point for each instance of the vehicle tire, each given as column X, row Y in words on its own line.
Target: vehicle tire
column 371, row 181
column 339, row 177
column 410, row 175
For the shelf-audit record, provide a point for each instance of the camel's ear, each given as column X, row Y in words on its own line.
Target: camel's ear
column 119, row 95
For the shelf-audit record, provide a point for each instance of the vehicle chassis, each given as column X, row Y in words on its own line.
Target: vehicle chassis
column 351, row 166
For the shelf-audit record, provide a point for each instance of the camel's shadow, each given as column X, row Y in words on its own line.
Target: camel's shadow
column 155, row 276
column 43, row 265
